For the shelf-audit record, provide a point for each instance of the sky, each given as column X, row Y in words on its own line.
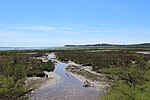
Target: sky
column 42, row 23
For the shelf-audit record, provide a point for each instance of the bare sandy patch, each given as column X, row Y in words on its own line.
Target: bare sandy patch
column 43, row 82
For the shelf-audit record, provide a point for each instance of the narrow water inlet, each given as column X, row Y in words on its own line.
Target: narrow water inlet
column 68, row 88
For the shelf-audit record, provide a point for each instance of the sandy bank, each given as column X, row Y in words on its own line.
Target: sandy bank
column 96, row 80
column 53, row 79
column 43, row 82
column 100, row 86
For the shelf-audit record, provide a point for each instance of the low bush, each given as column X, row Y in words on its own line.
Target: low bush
column 15, row 66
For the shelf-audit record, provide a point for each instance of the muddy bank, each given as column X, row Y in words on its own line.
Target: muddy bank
column 42, row 82
column 85, row 74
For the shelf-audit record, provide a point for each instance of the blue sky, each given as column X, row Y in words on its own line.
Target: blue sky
column 59, row 22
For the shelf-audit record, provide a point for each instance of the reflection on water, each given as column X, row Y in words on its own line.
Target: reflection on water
column 68, row 88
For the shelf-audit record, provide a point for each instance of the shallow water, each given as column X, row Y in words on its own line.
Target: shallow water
column 68, row 88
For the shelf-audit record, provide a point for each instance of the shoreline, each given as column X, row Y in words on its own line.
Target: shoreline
column 101, row 85
column 51, row 79
column 43, row 82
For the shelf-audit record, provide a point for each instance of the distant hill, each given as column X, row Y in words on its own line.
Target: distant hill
column 143, row 45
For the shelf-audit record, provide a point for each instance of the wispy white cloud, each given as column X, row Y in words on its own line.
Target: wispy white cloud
column 79, row 29
column 43, row 35
column 42, row 28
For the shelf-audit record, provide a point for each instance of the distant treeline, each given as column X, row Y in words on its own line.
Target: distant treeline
column 105, row 45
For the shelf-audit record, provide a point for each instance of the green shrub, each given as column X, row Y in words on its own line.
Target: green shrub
column 15, row 66
column 39, row 74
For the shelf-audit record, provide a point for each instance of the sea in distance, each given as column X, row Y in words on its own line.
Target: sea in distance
column 31, row 48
